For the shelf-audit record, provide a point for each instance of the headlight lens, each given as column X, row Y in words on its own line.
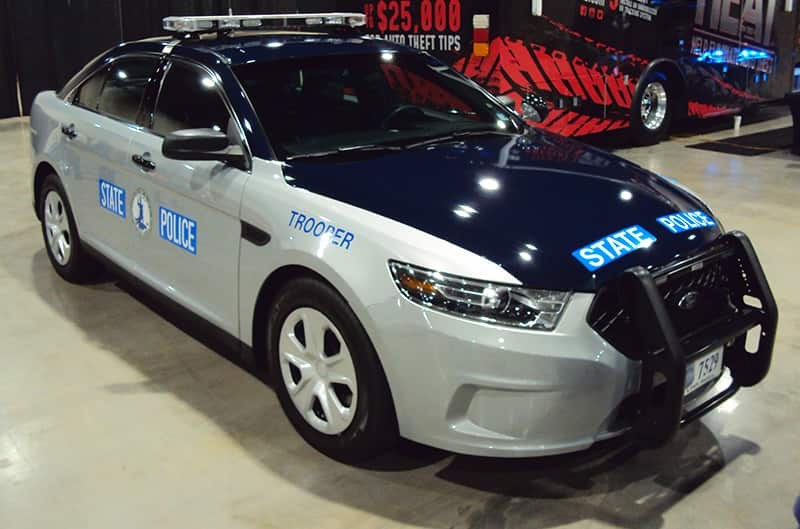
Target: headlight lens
column 478, row 300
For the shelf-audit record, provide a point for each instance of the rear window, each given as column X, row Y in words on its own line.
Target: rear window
column 124, row 87
column 88, row 95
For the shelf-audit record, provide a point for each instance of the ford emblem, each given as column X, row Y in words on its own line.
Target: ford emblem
column 689, row 300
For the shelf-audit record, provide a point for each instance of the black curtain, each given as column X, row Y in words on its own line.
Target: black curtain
column 8, row 72
column 45, row 42
column 142, row 18
column 55, row 38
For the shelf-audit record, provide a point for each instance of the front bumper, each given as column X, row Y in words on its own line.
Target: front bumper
column 480, row 389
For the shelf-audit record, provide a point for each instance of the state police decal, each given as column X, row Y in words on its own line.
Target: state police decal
column 141, row 217
column 615, row 246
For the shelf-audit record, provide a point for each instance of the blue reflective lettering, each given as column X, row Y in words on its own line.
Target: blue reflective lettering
column 620, row 243
column 336, row 236
column 111, row 198
column 348, row 238
column 177, row 229
column 686, row 221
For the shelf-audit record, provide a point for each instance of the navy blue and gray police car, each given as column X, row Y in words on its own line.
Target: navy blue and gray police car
column 405, row 254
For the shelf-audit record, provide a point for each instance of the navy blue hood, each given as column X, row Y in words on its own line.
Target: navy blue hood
column 526, row 202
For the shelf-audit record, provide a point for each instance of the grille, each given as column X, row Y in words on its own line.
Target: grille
column 698, row 294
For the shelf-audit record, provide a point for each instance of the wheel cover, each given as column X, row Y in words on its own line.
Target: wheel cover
column 56, row 227
column 654, row 105
column 318, row 371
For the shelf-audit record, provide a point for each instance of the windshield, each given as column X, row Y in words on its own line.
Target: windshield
column 322, row 104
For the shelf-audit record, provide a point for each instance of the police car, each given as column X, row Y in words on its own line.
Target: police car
column 406, row 255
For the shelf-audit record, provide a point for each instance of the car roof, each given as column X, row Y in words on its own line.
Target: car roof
column 274, row 46
column 254, row 47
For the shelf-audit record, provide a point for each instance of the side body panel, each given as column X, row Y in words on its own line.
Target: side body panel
column 48, row 113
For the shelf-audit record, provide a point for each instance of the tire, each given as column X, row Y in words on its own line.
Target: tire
column 327, row 375
column 652, row 109
column 61, row 239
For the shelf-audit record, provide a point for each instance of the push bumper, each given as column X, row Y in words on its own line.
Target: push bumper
column 641, row 305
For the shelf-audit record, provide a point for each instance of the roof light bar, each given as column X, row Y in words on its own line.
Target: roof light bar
column 224, row 22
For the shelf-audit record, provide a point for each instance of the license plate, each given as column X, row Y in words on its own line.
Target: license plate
column 702, row 370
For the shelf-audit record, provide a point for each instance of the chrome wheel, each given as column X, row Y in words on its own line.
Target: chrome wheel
column 654, row 105
column 317, row 370
column 56, row 223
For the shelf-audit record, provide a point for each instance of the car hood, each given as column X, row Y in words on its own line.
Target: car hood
column 526, row 202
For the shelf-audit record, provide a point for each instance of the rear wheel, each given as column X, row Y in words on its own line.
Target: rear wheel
column 651, row 110
column 63, row 245
column 327, row 375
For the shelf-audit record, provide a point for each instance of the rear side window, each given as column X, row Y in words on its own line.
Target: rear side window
column 124, row 87
column 189, row 99
column 88, row 95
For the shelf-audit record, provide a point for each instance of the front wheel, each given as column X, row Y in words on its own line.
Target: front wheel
column 327, row 375
column 651, row 111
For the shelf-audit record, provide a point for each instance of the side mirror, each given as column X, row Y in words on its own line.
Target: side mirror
column 202, row 144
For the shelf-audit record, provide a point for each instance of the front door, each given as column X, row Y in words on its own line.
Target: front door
column 186, row 213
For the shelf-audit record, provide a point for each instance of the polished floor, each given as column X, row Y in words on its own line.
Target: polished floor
column 115, row 414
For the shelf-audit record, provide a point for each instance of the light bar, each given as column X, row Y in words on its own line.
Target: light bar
column 223, row 22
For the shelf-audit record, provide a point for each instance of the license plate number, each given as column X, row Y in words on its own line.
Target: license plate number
column 702, row 370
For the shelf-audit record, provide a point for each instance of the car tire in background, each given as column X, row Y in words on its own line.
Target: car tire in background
column 652, row 109
column 61, row 239
column 326, row 373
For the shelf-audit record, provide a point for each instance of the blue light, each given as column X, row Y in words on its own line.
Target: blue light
column 753, row 55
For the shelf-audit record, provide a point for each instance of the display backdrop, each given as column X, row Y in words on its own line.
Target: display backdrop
column 8, row 73
column 45, row 42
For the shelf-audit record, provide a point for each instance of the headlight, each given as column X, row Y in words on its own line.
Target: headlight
column 478, row 300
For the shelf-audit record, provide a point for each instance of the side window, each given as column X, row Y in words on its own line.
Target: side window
column 189, row 100
column 88, row 95
column 124, row 88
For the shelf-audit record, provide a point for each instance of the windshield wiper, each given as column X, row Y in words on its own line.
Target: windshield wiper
column 345, row 150
column 457, row 135
column 395, row 147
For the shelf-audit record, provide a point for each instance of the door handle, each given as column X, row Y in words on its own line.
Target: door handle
column 69, row 131
column 143, row 160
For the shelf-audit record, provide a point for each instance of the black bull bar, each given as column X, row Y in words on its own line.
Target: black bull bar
column 637, row 314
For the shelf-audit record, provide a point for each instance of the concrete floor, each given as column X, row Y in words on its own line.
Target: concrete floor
column 114, row 414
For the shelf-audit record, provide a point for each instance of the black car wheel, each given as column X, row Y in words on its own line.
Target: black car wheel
column 327, row 375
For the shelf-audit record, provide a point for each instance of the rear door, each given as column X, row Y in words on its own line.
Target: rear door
column 185, row 214
column 110, row 104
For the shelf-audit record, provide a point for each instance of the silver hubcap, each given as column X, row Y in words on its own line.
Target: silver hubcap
column 654, row 105
column 57, row 228
column 318, row 371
